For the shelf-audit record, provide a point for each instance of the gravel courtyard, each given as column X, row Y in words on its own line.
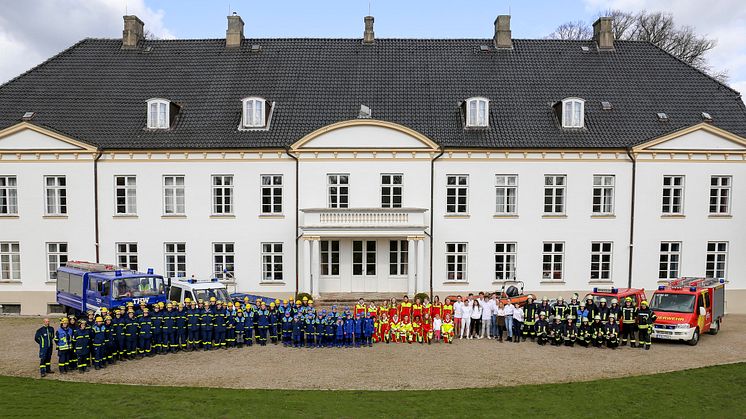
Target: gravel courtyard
column 475, row 363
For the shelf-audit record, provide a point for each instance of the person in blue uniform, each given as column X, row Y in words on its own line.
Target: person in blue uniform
column 339, row 332
column 81, row 343
column 118, row 334
column 206, row 326
column 248, row 331
column 273, row 323
column 156, row 319
column 193, row 319
column 44, row 337
column 368, row 329
column 63, row 338
column 329, row 329
column 230, row 326
column 310, row 330
column 110, row 343
column 297, row 331
column 262, row 321
column 131, row 330
column 287, row 328
column 169, row 328
column 358, row 330
column 320, row 329
column 98, row 336
column 349, row 330
column 180, row 334
column 145, row 334
column 220, row 325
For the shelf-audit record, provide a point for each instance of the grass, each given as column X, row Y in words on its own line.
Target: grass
column 712, row 392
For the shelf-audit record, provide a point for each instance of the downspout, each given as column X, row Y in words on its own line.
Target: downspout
column 432, row 215
column 632, row 216
column 99, row 153
column 298, row 236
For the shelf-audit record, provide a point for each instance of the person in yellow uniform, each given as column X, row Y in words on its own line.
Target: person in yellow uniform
column 406, row 330
column 394, row 328
column 447, row 329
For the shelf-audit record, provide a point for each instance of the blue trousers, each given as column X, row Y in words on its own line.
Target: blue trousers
column 145, row 345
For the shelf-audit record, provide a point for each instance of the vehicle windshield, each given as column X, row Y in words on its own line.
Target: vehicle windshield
column 137, row 287
column 675, row 303
column 220, row 294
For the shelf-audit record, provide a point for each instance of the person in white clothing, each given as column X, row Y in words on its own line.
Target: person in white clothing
column 465, row 319
column 509, row 320
column 476, row 318
column 486, row 319
column 437, row 323
column 458, row 314
column 517, row 323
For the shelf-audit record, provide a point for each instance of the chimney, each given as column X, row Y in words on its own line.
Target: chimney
column 502, row 38
column 603, row 33
column 368, row 36
column 234, row 34
column 134, row 32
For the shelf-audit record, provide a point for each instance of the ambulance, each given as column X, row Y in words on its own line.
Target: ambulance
column 687, row 307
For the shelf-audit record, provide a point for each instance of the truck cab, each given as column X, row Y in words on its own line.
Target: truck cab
column 637, row 294
column 195, row 289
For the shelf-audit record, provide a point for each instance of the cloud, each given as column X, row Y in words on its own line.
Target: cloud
column 33, row 30
column 724, row 20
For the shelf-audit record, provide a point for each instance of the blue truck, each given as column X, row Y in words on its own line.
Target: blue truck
column 83, row 286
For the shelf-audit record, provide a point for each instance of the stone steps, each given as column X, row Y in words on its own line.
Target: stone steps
column 351, row 298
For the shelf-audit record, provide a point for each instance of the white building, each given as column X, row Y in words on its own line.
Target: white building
column 328, row 166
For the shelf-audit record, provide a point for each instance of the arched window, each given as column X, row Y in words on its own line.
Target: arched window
column 573, row 112
column 477, row 112
column 159, row 113
column 254, row 112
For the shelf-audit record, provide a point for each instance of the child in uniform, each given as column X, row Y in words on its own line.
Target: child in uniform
column 368, row 329
column 447, row 329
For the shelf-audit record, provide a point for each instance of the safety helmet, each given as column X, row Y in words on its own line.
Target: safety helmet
column 130, row 304
column 107, row 318
column 258, row 300
column 310, row 301
column 272, row 305
column 277, row 301
column 612, row 316
column 644, row 303
column 585, row 319
column 305, row 298
column 82, row 322
column 323, row 311
column 582, row 304
column 237, row 304
column 187, row 300
column 560, row 298
column 239, row 311
column 575, row 296
column 213, row 299
column 570, row 317
column 246, row 299
column 284, row 301
column 169, row 305
column 145, row 310
column 63, row 320
column 99, row 319
column 297, row 302
column 597, row 317
column 614, row 301
column 603, row 300
column 104, row 310
column 161, row 304
column 543, row 313
column 143, row 303
column 628, row 300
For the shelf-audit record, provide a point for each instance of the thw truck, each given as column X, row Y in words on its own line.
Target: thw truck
column 83, row 286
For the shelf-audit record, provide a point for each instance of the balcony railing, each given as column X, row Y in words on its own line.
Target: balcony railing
column 363, row 217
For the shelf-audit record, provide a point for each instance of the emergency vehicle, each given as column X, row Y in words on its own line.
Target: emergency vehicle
column 637, row 294
column 687, row 307
column 180, row 289
column 83, row 286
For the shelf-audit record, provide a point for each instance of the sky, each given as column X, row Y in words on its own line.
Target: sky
column 31, row 31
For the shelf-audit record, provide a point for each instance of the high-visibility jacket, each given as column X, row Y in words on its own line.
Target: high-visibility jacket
column 447, row 309
column 360, row 309
column 405, row 309
column 446, row 327
column 427, row 309
column 99, row 334
column 530, row 312
column 372, row 311
column 541, row 327
column 629, row 314
column 146, row 327
column 560, row 310
column 44, row 337
column 394, row 327
column 645, row 318
column 436, row 310
column 392, row 311
column 416, row 310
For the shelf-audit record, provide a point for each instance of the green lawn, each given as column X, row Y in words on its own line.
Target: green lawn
column 713, row 392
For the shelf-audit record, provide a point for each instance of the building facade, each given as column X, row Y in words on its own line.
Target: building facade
column 326, row 173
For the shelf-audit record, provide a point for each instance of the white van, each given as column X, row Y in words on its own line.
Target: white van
column 194, row 289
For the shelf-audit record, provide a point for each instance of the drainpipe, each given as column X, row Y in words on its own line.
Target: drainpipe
column 632, row 216
column 99, row 153
column 298, row 236
column 432, row 215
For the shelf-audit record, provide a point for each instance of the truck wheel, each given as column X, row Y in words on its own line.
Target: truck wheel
column 715, row 327
column 695, row 338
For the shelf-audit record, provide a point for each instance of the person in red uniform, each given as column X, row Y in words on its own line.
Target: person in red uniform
column 427, row 308
column 427, row 329
column 447, row 308
column 384, row 326
column 437, row 308
column 417, row 309
column 360, row 308
column 417, row 330
column 393, row 308
column 405, row 308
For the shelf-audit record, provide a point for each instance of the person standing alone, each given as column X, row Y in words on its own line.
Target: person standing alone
column 44, row 337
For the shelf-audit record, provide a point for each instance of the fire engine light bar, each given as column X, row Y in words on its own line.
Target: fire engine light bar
column 150, row 271
column 214, row 280
column 722, row 280
column 118, row 273
column 192, row 281
column 692, row 289
column 661, row 287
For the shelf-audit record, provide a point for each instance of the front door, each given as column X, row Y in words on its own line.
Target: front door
column 364, row 266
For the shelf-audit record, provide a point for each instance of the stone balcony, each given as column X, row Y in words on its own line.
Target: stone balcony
column 352, row 220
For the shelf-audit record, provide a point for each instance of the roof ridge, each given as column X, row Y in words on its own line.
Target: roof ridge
column 537, row 40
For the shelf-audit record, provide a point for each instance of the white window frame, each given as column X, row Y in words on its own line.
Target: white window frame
column 271, row 190
column 604, row 191
column 8, row 195
column 175, row 259
column 457, row 255
column 272, row 262
column 56, row 257
column 602, row 259
column 506, row 258
column 666, row 257
column 554, row 194
column 55, row 195
column 455, row 192
column 366, row 253
column 506, row 194
column 159, row 113
column 573, row 112
column 553, row 256
column 341, row 190
column 390, row 190
column 398, row 258
column 256, row 117
column 130, row 195
column 222, row 191
column 477, row 112
column 720, row 194
column 126, row 255
column 10, row 261
column 670, row 207
column 716, row 261
column 223, row 258
column 327, row 258
column 173, row 203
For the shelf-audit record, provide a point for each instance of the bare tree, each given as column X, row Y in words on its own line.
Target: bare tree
column 655, row 27
column 150, row 35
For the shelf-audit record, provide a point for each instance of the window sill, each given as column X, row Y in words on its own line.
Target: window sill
column 11, row 281
column 54, row 217
column 272, row 283
column 604, row 216
column 457, row 216
column 9, row 216
column 271, row 216
column 721, row 216
column 553, row 216
column 455, row 282
column 600, row 282
column 125, row 216
column 505, row 216
column 558, row 282
column 173, row 216
column 218, row 216
column 48, row 282
column 672, row 216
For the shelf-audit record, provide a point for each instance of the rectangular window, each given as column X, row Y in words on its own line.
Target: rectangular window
column 720, row 194
column 271, row 194
column 457, row 194
column 173, row 195
column 126, row 194
column 601, row 255
column 339, row 190
column 330, row 257
column 391, row 190
column 364, row 257
column 673, row 195
column 456, row 261
column 670, row 257
column 8, row 195
column 553, row 260
column 10, row 261
column 55, row 191
column 506, row 191
column 505, row 261
column 127, row 256
column 175, row 260
column 56, row 257
column 158, row 112
column 271, row 261
column 222, row 194
column 398, row 257
column 717, row 260
column 554, row 194
column 223, row 258
column 603, row 194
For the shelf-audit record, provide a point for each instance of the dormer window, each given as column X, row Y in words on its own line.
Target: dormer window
column 477, row 112
column 573, row 113
column 159, row 111
column 254, row 112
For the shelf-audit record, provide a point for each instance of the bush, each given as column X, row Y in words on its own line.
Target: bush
column 303, row 294
column 422, row 296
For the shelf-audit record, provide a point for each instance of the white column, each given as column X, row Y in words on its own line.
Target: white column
column 315, row 267
column 306, row 284
column 412, row 266
column 421, row 265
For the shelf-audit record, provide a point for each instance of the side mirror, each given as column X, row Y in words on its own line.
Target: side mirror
column 702, row 311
